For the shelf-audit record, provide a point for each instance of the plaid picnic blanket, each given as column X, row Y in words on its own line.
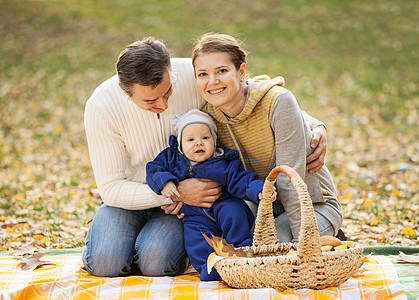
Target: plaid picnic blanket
column 66, row 279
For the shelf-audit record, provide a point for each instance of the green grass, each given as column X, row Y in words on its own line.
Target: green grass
column 352, row 52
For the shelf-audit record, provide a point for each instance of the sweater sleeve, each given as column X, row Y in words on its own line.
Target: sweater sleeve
column 312, row 122
column 109, row 163
column 292, row 145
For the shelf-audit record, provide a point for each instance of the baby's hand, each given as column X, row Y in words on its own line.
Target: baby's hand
column 169, row 190
column 273, row 195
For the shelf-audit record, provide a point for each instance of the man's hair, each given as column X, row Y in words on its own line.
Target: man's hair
column 143, row 62
column 216, row 42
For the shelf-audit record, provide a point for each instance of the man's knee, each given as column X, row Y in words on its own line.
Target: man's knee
column 162, row 265
column 107, row 264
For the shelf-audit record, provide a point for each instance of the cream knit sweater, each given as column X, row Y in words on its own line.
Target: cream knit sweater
column 122, row 138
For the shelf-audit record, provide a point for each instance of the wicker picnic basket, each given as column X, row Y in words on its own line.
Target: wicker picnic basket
column 271, row 267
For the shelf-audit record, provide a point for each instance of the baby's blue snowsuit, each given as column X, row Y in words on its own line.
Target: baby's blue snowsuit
column 229, row 216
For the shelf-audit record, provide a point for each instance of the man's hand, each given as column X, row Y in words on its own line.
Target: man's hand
column 198, row 192
column 315, row 161
column 173, row 209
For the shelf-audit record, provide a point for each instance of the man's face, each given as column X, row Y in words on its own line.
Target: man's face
column 153, row 99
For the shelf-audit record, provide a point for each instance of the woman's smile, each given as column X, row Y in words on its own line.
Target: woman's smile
column 217, row 91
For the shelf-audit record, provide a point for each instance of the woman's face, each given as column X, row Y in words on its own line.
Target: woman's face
column 218, row 80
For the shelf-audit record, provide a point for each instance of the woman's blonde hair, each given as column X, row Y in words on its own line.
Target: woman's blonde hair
column 216, row 42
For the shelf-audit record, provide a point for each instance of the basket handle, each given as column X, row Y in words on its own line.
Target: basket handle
column 265, row 232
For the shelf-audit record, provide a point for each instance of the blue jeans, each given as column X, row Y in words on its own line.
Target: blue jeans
column 145, row 242
column 283, row 228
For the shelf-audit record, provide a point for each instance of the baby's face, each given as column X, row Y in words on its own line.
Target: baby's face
column 197, row 142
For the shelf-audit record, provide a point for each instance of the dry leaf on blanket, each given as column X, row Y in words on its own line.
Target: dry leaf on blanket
column 27, row 250
column 221, row 247
column 361, row 270
column 405, row 258
column 358, row 272
column 365, row 258
column 31, row 262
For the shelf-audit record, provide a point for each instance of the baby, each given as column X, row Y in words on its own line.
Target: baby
column 194, row 154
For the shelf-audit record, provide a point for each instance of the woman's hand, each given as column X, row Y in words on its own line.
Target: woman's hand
column 198, row 192
column 315, row 161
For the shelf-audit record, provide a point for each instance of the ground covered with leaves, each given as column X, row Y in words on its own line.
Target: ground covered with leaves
column 352, row 65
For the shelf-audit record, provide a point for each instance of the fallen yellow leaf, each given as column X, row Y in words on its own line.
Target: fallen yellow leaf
column 367, row 203
column 58, row 129
column 374, row 222
column 408, row 231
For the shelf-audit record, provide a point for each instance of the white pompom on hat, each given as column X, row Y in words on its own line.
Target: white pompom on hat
column 191, row 117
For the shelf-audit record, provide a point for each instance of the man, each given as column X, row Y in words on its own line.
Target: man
column 128, row 122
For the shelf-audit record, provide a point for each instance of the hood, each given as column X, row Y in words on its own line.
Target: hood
column 259, row 86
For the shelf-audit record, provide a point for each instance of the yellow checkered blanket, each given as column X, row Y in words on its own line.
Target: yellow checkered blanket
column 377, row 279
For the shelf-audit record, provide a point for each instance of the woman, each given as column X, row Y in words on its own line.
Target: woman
column 262, row 120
